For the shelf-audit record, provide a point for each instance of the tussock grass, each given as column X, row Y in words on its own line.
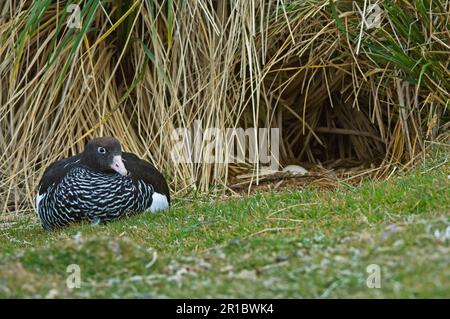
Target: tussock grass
column 139, row 69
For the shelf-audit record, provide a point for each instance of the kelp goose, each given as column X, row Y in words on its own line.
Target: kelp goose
column 101, row 184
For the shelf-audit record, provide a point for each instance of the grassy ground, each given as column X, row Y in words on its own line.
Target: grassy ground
column 300, row 243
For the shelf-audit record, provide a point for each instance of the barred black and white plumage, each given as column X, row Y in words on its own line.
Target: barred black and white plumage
column 101, row 184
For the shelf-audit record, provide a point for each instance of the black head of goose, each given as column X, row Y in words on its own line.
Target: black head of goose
column 101, row 184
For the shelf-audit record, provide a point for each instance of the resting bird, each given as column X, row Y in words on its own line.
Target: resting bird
column 101, row 184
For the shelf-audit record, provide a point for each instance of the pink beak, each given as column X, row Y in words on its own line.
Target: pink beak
column 118, row 165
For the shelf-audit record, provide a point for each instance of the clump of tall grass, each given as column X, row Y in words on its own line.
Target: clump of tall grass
column 341, row 91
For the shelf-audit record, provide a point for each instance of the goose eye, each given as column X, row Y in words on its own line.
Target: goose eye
column 101, row 150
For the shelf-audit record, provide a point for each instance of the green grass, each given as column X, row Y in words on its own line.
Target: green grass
column 295, row 244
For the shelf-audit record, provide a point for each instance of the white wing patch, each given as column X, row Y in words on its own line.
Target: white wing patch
column 159, row 202
column 39, row 197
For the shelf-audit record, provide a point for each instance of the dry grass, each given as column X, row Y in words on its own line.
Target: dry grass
column 342, row 94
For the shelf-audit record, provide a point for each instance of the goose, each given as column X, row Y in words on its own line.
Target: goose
column 99, row 185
